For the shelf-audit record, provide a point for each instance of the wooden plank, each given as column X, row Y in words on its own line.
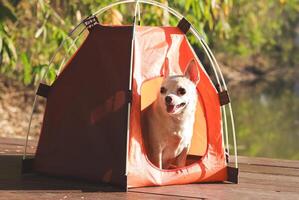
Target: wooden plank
column 16, row 150
column 267, row 169
column 12, row 180
column 259, row 178
column 16, row 141
column 279, row 182
column 220, row 191
column 12, row 146
column 78, row 195
column 266, row 162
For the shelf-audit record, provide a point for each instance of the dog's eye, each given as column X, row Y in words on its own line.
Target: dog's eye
column 181, row 91
column 163, row 90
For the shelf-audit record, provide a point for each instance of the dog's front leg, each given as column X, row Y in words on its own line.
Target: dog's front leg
column 181, row 159
column 157, row 158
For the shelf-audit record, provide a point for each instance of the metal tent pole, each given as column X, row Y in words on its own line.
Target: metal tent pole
column 131, row 81
column 229, row 105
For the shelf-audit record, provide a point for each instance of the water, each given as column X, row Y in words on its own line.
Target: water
column 267, row 119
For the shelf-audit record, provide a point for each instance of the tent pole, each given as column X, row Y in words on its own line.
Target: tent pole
column 213, row 63
column 130, row 83
column 28, row 129
column 226, row 146
column 229, row 105
column 172, row 11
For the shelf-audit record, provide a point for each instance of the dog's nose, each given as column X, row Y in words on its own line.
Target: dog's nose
column 168, row 99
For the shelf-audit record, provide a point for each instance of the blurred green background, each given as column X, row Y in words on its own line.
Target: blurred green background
column 256, row 43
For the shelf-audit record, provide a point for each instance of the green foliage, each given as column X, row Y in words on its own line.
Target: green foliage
column 36, row 28
column 8, row 52
column 265, row 27
column 209, row 17
column 27, row 69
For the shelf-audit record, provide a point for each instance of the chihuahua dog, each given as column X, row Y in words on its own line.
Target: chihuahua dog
column 167, row 124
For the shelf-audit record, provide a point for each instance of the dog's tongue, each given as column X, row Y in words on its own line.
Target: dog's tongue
column 170, row 108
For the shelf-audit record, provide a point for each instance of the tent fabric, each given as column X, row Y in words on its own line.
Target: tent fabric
column 85, row 122
column 84, row 132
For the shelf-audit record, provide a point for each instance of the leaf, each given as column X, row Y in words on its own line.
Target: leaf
column 5, row 56
column 207, row 13
column 211, row 23
column 39, row 32
column 188, row 4
column 201, row 6
column 1, row 44
column 27, row 69
column 42, row 5
column 51, row 74
column 38, row 71
column 45, row 34
column 197, row 11
column 11, row 48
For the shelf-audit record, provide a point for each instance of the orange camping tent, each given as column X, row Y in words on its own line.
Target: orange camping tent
column 91, row 128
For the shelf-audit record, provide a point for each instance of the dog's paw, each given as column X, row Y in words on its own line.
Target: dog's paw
column 171, row 166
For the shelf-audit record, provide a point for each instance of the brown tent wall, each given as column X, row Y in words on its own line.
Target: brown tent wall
column 84, row 132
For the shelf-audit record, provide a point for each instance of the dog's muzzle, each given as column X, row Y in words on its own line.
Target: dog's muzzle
column 171, row 108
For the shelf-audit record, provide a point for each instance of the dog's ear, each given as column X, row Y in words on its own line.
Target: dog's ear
column 192, row 72
column 165, row 68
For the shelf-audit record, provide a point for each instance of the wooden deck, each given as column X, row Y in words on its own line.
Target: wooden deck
column 259, row 178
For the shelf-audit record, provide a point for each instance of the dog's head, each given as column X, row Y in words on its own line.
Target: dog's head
column 178, row 93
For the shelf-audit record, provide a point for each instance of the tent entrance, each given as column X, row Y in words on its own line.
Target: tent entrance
column 149, row 91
